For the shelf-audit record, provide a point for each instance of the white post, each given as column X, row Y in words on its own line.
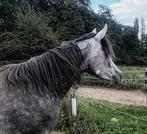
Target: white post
column 74, row 100
column 74, row 106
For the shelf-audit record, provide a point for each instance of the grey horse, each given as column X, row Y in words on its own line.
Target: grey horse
column 31, row 92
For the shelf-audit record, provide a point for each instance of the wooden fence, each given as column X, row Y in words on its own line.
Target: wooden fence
column 132, row 83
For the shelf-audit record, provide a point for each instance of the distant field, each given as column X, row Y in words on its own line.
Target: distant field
column 132, row 72
column 133, row 78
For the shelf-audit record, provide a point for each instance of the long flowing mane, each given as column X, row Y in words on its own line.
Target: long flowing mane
column 47, row 72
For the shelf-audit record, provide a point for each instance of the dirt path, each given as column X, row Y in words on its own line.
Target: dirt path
column 137, row 98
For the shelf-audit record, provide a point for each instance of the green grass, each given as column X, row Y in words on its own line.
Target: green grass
column 133, row 77
column 133, row 72
column 94, row 117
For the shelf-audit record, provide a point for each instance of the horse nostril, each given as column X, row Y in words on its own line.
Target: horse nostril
column 121, row 76
column 114, row 77
column 119, row 73
column 117, row 78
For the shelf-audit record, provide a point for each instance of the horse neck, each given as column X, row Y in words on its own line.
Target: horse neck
column 52, row 73
column 66, row 61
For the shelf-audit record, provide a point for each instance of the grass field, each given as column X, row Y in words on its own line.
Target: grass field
column 134, row 73
column 94, row 117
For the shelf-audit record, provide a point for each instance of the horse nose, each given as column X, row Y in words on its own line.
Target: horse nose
column 120, row 75
column 117, row 78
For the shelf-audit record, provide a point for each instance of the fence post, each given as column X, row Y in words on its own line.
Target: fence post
column 74, row 100
column 73, row 104
column 71, row 101
column 145, row 83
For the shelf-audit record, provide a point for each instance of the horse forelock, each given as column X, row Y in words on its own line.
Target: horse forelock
column 105, row 42
column 107, row 48
column 51, row 72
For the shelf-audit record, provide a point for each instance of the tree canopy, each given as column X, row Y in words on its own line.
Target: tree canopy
column 30, row 27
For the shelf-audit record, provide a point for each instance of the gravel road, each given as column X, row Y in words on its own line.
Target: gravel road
column 137, row 98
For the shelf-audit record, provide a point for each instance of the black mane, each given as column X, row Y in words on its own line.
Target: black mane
column 54, row 71
column 107, row 48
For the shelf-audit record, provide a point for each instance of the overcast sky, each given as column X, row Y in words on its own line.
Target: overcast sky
column 124, row 11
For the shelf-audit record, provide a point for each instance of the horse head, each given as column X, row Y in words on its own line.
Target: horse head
column 98, row 56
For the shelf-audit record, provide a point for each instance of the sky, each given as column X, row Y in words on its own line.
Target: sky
column 124, row 11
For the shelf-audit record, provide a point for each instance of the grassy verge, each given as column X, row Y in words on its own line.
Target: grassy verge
column 94, row 117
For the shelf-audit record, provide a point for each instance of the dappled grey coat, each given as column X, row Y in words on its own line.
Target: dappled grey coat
column 30, row 92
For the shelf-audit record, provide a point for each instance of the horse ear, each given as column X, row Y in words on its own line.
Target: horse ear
column 94, row 30
column 102, row 33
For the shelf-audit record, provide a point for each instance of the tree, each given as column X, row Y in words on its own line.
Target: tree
column 145, row 41
column 31, row 37
column 130, row 39
column 136, row 26
column 6, row 15
column 142, row 32
column 105, row 12
column 28, row 32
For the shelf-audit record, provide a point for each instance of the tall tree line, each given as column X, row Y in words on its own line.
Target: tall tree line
column 30, row 27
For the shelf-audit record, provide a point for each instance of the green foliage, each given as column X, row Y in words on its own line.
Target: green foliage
column 105, row 11
column 31, row 37
column 39, row 25
column 136, row 26
column 143, row 32
column 6, row 14
column 34, row 30
column 129, row 39
column 94, row 117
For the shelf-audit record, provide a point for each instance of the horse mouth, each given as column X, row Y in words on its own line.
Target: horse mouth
column 114, row 80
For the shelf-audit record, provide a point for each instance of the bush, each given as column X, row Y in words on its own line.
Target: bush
column 32, row 37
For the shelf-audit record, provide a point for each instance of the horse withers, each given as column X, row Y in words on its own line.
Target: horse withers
column 31, row 92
